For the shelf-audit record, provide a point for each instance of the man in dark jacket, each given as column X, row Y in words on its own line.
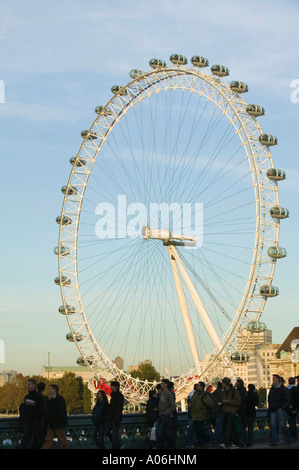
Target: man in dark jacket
column 251, row 402
column 278, row 401
column 57, row 419
column 32, row 412
column 40, row 387
column 114, row 417
column 240, row 415
column 231, row 402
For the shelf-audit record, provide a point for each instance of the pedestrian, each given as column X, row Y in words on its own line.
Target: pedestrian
column 99, row 418
column 293, row 407
column 152, row 408
column 152, row 415
column 41, row 388
column 217, row 414
column 251, row 402
column 278, row 401
column 115, row 414
column 231, row 402
column 190, row 428
column 201, row 402
column 32, row 412
column 165, row 434
column 57, row 419
column 175, row 413
column 239, row 422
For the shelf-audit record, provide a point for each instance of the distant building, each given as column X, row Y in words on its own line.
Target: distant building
column 249, row 340
column 6, row 376
column 119, row 362
column 265, row 358
column 57, row 372
column 259, row 365
column 281, row 363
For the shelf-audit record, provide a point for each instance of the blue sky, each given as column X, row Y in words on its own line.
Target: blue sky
column 58, row 60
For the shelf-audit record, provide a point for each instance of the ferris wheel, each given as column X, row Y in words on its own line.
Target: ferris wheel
column 169, row 228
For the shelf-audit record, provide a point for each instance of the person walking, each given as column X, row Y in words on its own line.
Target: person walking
column 170, row 387
column 251, row 402
column 217, row 414
column 293, row 407
column 278, row 401
column 40, row 387
column 57, row 419
column 200, row 403
column 240, row 425
column 32, row 413
column 115, row 414
column 151, row 413
column 231, row 402
column 165, row 434
column 99, row 418
column 151, row 410
column 190, row 429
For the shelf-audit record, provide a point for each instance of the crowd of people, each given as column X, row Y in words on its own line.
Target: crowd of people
column 43, row 419
column 231, row 408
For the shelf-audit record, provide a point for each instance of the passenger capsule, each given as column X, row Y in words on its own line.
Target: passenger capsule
column 65, row 220
column 68, row 310
column 278, row 212
column 62, row 250
column 119, row 90
column 89, row 135
column 276, row 175
column 255, row 110
column 103, row 110
column 76, row 161
column 82, row 362
column 62, row 280
column 269, row 291
column 268, row 139
column 239, row 87
column 239, row 357
column 157, row 63
column 69, row 190
column 199, row 61
column 136, row 73
column 72, row 338
column 256, row 326
column 178, row 59
column 220, row 70
column 277, row 252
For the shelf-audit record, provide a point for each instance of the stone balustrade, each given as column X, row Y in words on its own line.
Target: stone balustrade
column 134, row 431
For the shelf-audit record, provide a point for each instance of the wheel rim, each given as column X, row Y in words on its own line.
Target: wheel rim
column 145, row 87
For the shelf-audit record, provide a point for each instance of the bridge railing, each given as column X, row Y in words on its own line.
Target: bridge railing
column 134, row 430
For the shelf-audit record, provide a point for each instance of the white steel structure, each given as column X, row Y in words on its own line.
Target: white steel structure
column 173, row 137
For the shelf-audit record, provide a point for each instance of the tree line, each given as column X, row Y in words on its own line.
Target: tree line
column 76, row 393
